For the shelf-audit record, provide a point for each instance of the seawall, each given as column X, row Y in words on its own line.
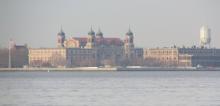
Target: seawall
column 55, row 69
column 108, row 69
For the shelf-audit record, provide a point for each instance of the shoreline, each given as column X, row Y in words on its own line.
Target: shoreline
column 82, row 69
column 110, row 69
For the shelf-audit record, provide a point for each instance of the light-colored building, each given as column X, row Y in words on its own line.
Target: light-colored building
column 185, row 60
column 161, row 56
column 47, row 57
column 62, row 57
column 189, row 57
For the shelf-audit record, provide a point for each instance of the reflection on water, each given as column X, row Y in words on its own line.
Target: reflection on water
column 110, row 88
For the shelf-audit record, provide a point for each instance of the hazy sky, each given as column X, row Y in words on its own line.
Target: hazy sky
column 156, row 23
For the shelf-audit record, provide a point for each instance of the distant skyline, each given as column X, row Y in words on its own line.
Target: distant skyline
column 155, row 23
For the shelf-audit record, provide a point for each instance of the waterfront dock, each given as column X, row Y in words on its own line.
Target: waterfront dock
column 105, row 69
column 56, row 69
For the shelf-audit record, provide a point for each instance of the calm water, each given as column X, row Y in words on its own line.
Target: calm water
column 110, row 88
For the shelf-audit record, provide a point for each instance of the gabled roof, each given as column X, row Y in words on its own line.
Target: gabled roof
column 81, row 39
column 105, row 41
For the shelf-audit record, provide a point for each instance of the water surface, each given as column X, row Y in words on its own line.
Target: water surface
column 150, row 88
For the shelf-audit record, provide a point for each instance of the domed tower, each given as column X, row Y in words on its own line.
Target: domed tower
column 99, row 34
column 60, row 38
column 129, row 44
column 99, row 38
column 205, row 36
column 129, row 37
column 91, row 39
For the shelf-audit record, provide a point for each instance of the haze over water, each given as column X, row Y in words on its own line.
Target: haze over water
column 150, row 88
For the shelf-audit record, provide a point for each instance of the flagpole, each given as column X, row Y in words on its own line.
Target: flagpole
column 9, row 54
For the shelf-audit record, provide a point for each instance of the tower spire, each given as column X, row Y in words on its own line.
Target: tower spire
column 91, row 32
column 99, row 33
column 129, row 33
column 61, row 38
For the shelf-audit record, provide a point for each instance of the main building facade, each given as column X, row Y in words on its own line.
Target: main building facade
column 91, row 50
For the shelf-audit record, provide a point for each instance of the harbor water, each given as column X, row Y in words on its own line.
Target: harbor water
column 144, row 88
